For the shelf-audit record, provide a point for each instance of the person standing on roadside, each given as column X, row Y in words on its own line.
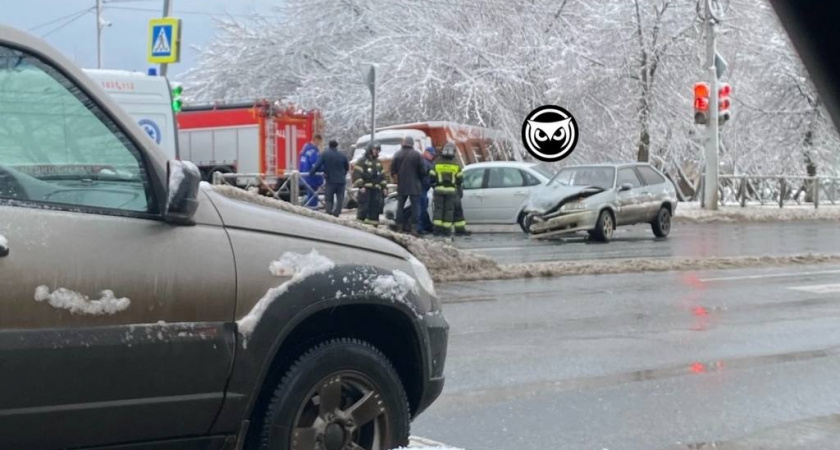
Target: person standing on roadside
column 334, row 164
column 373, row 187
column 407, row 172
column 424, row 221
column 309, row 182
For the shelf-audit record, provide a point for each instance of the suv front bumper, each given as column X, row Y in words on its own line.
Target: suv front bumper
column 437, row 337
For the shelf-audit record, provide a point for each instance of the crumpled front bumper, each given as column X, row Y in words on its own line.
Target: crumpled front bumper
column 565, row 222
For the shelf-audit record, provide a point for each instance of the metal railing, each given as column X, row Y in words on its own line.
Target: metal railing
column 747, row 190
column 290, row 189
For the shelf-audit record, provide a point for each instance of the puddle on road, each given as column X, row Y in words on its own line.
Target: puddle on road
column 454, row 400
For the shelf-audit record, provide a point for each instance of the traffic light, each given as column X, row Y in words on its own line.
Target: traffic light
column 723, row 103
column 176, row 98
column 701, row 103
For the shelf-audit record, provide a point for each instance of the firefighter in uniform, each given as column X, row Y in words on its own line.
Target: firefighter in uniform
column 446, row 178
column 373, row 187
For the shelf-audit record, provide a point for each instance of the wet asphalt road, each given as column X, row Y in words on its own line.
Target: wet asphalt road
column 746, row 358
column 716, row 239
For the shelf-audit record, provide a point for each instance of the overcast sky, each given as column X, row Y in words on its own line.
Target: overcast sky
column 73, row 31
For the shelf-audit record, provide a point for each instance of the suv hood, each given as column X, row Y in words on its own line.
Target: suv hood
column 251, row 216
column 549, row 197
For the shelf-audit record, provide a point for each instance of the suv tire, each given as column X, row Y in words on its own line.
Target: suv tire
column 365, row 401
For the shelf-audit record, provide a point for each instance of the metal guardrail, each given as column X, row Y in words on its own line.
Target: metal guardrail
column 291, row 186
column 746, row 190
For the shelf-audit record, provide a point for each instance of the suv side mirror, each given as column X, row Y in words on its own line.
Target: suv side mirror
column 625, row 187
column 183, row 179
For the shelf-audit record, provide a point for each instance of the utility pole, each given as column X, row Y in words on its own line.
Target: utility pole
column 98, row 34
column 712, row 128
column 369, row 76
column 167, row 11
column 373, row 105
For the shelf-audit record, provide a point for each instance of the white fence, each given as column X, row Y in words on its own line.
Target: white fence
column 746, row 190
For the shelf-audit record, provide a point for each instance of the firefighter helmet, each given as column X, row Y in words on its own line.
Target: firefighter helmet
column 448, row 150
column 373, row 145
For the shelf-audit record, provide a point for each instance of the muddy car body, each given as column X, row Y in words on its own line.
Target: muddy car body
column 598, row 198
column 140, row 307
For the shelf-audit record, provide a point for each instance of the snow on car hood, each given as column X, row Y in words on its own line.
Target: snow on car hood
column 547, row 197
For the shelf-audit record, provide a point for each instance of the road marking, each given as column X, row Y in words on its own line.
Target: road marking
column 818, row 288
column 770, row 275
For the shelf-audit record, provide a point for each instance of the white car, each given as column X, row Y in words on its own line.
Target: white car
column 494, row 192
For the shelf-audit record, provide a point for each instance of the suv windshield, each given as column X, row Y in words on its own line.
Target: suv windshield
column 602, row 177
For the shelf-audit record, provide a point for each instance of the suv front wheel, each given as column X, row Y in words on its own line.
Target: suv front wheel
column 341, row 394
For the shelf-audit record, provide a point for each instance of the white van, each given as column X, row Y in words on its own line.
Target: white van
column 147, row 99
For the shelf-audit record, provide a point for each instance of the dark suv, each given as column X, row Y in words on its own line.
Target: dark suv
column 140, row 307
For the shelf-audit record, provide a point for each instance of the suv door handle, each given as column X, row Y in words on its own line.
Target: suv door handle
column 4, row 251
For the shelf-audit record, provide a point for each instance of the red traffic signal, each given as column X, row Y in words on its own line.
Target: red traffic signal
column 724, row 103
column 701, row 103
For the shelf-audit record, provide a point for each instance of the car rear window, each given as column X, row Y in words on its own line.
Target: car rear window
column 650, row 176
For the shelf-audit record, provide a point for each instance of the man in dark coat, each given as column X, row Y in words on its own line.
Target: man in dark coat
column 334, row 164
column 407, row 170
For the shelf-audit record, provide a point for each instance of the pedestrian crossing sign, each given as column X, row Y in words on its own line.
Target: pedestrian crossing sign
column 164, row 40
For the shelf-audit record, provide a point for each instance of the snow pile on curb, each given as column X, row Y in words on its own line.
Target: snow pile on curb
column 77, row 303
column 440, row 259
column 637, row 265
column 693, row 213
column 296, row 265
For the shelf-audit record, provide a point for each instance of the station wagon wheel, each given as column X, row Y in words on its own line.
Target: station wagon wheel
column 340, row 395
column 661, row 225
column 604, row 227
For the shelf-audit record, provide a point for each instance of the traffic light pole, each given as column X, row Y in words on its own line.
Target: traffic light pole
column 710, row 184
column 167, row 11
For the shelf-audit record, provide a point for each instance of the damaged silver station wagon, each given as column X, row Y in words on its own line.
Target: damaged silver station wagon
column 597, row 198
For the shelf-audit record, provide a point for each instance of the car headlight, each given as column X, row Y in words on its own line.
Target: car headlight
column 422, row 275
column 573, row 206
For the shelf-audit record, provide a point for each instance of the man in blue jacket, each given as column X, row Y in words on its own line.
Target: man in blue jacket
column 310, row 183
column 334, row 164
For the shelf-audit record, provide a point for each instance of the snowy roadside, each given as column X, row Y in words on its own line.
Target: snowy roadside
column 635, row 265
column 440, row 258
column 693, row 213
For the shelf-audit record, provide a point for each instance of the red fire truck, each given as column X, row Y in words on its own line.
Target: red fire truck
column 247, row 138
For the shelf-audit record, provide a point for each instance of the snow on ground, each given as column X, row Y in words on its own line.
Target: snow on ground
column 419, row 443
column 77, row 303
column 692, row 212
column 439, row 258
column 637, row 265
column 296, row 265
